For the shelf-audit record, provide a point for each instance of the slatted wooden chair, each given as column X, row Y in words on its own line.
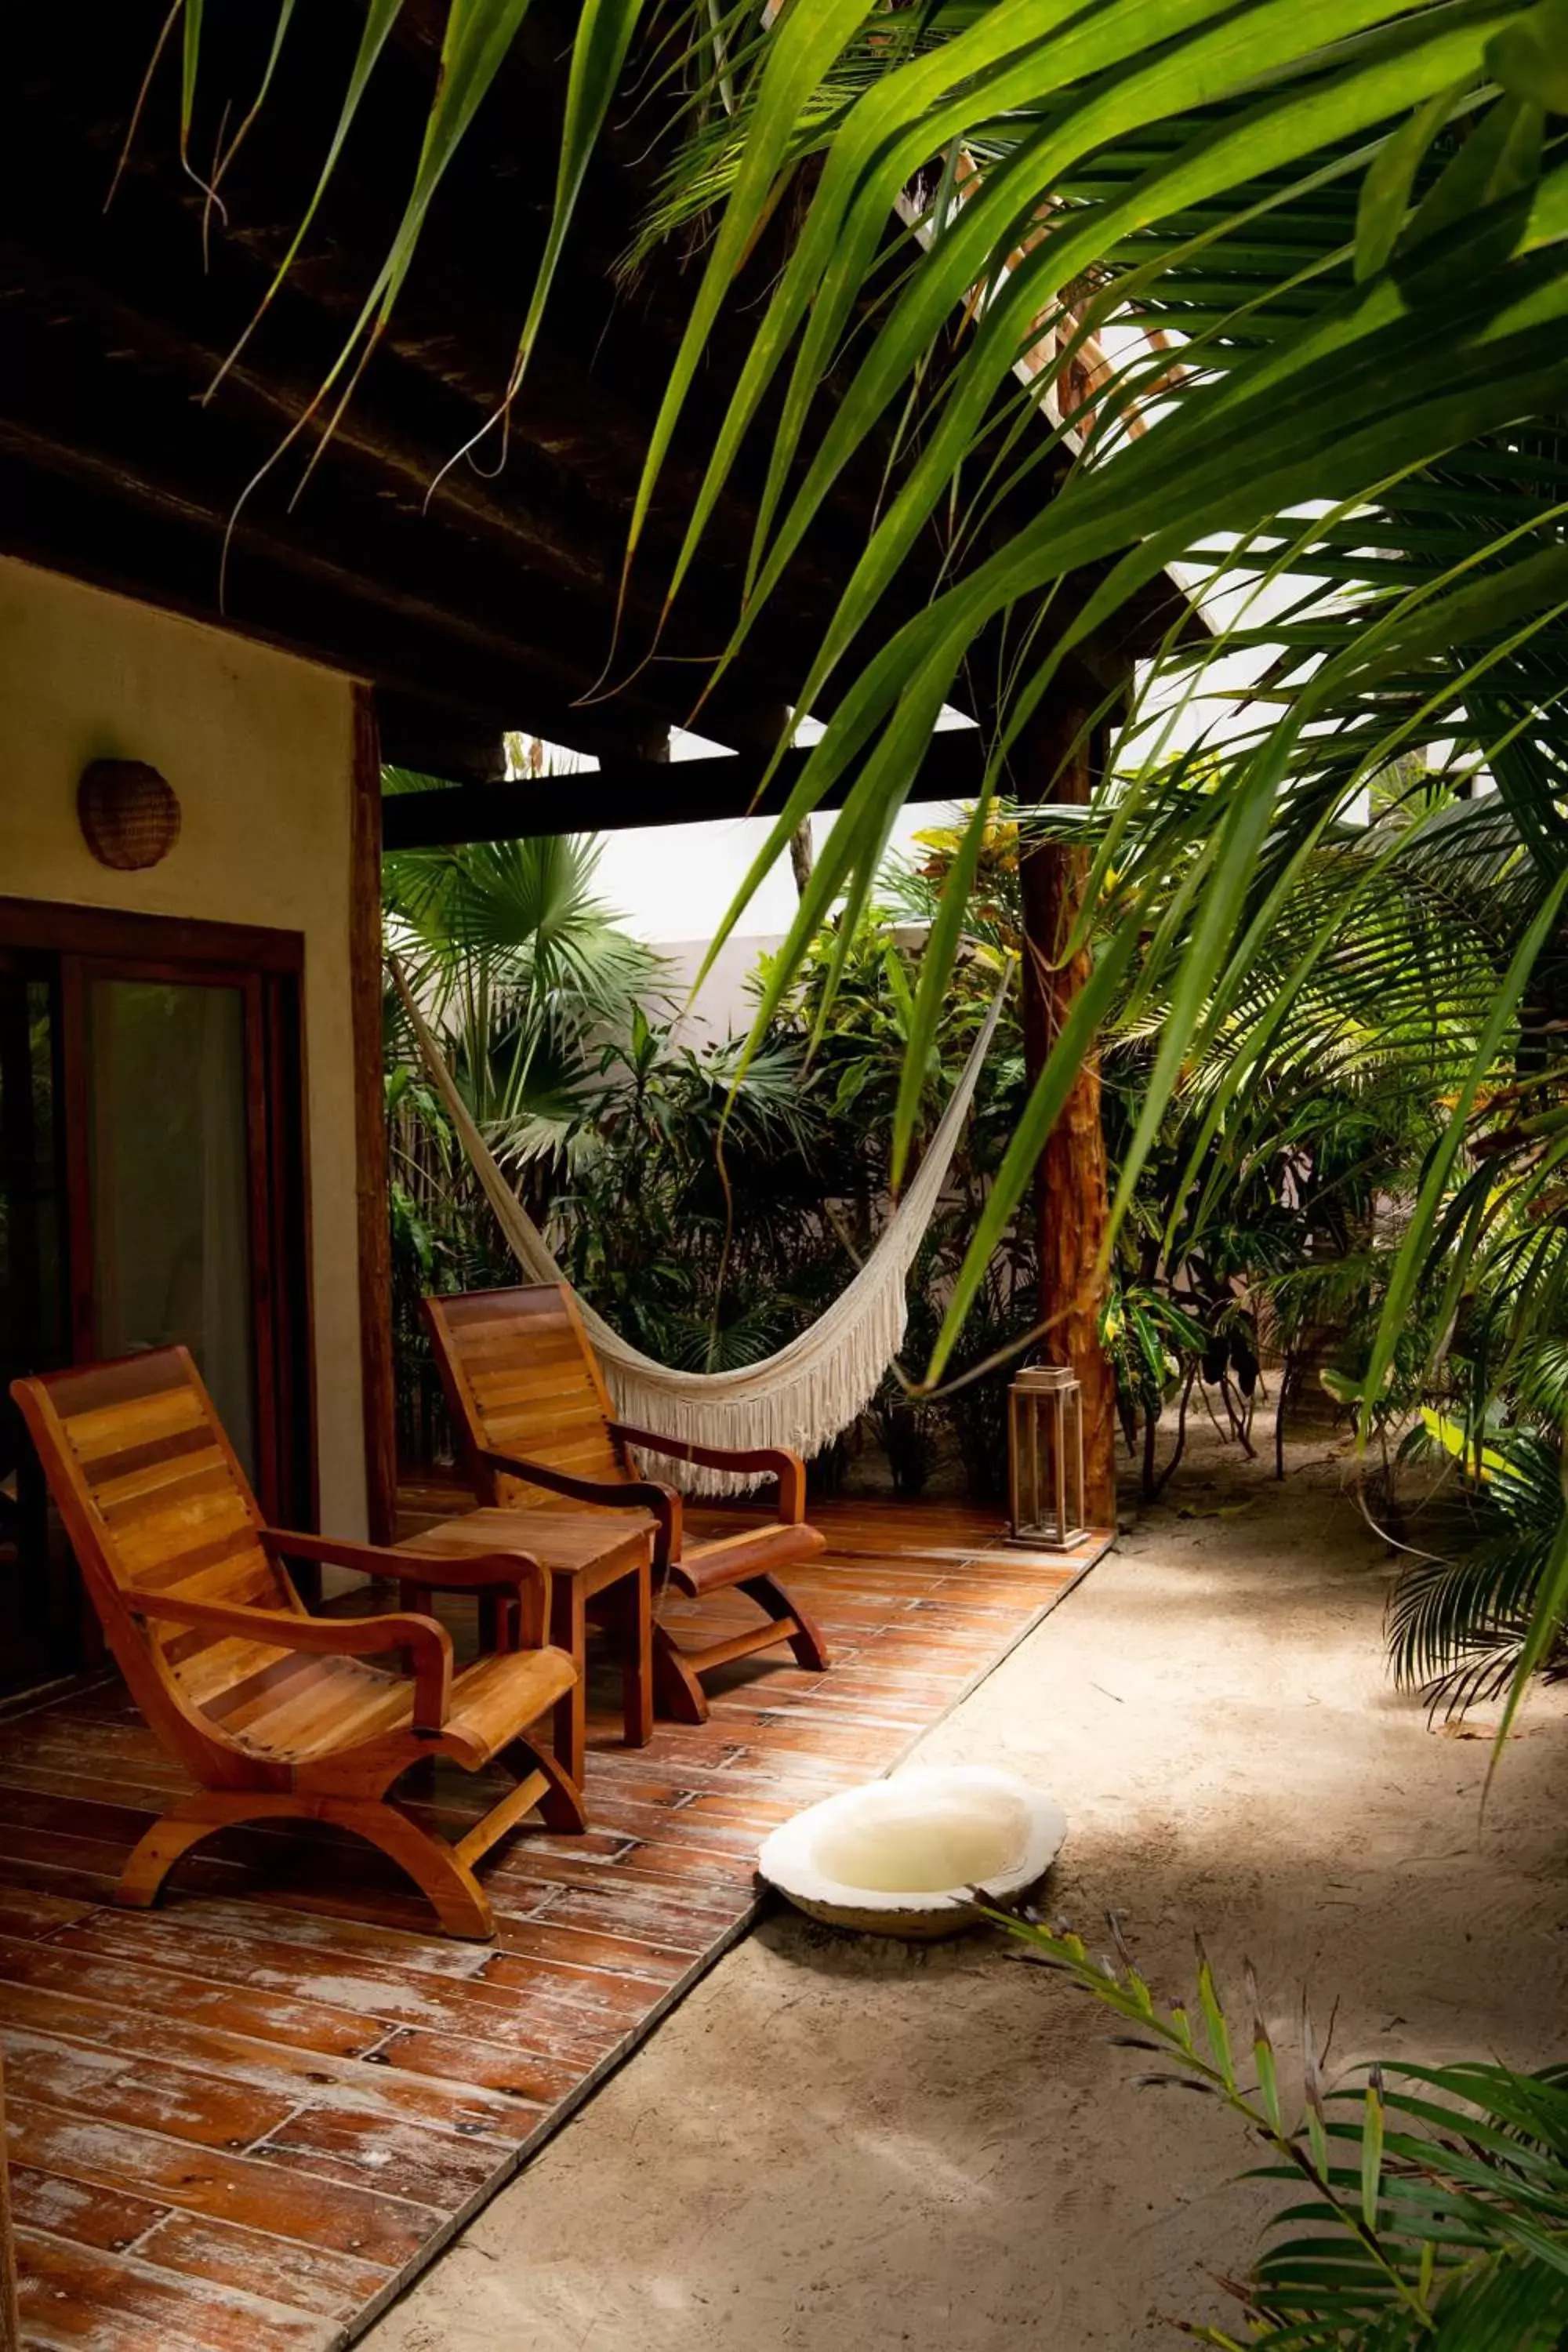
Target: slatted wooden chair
column 536, row 1425
column 275, row 1712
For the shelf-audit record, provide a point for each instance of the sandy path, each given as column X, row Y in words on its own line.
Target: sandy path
column 840, row 2145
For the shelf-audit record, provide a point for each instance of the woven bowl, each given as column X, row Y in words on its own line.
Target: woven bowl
column 128, row 812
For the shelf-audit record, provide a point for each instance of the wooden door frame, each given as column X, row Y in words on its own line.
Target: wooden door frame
column 29, row 965
column 268, row 968
column 372, row 1181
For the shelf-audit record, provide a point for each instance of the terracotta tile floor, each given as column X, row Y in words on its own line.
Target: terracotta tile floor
column 243, row 2121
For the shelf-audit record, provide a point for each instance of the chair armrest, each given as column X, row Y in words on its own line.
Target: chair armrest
column 446, row 1571
column 480, row 1571
column 772, row 1461
column 342, row 1637
column 609, row 1494
column 334, row 1551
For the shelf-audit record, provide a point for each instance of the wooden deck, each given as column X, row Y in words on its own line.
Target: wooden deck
column 242, row 2122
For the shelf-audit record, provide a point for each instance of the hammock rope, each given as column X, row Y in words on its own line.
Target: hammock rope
column 803, row 1394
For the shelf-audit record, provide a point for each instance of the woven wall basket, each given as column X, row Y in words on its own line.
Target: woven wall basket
column 127, row 813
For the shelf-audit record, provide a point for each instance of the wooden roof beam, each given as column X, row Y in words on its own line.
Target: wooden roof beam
column 493, row 568
column 628, row 793
column 160, row 551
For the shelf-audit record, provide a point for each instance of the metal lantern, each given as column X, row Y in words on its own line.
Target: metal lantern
column 1045, row 1456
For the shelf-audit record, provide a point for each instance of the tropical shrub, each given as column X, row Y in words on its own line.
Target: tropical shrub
column 1459, row 1620
column 1273, row 1189
column 524, row 975
column 1428, row 2204
column 692, row 1209
column 710, row 1210
column 1262, row 295
column 1278, row 294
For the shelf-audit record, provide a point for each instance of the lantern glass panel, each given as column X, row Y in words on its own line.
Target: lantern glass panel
column 1045, row 1450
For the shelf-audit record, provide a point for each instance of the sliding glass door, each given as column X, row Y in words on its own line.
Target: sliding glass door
column 152, row 1191
column 35, row 1310
column 169, row 1182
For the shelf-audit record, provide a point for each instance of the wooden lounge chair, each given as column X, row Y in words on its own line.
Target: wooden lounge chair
column 535, row 1419
column 278, row 1713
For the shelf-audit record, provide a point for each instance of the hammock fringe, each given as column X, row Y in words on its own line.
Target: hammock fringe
column 804, row 1394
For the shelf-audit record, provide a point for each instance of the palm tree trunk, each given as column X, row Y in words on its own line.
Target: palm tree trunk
column 802, row 855
column 1071, row 1203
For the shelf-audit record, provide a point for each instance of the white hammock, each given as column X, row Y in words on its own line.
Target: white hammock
column 800, row 1397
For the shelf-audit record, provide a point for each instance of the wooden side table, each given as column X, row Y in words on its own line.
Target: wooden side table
column 587, row 1553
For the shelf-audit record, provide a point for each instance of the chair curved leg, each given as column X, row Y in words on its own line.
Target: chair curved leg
column 676, row 1689
column 807, row 1641
column 561, row 1807
column 454, row 1893
column 184, row 1826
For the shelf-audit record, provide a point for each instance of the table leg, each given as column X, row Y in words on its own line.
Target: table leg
column 638, row 1666
column 499, row 1630
column 419, row 1601
column 568, row 1631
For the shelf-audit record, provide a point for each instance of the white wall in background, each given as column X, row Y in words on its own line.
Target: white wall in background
column 673, row 885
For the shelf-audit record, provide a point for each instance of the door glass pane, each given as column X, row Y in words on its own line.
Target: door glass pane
column 170, row 1214
column 32, row 1254
column 36, row 1600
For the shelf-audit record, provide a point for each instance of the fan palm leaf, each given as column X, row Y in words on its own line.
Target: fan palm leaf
column 523, row 972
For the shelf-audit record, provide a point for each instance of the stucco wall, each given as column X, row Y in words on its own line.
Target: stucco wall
column 259, row 748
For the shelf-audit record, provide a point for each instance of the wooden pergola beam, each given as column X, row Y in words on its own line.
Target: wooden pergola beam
column 628, row 793
column 499, row 601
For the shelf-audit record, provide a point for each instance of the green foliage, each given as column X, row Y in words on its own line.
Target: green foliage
column 1291, row 285
column 1264, row 1197
column 1335, row 254
column 704, row 1256
column 711, row 1211
column 478, row 38
column 851, row 1011
column 1429, row 2203
column 523, row 975
column 1458, row 1623
column 1266, row 1212
column 520, row 968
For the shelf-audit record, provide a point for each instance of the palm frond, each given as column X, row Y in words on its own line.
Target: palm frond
column 479, row 37
column 1429, row 2203
column 1273, row 296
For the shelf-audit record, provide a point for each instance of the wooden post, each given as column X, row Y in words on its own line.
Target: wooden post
column 370, row 1129
column 1070, row 1183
